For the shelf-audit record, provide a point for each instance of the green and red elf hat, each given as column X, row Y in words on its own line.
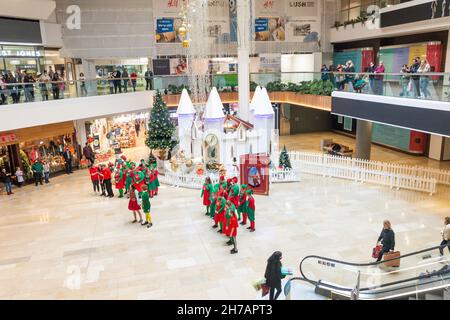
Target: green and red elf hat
column 249, row 192
column 243, row 186
column 222, row 178
column 235, row 179
column 224, row 185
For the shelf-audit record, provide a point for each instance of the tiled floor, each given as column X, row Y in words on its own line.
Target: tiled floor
column 62, row 241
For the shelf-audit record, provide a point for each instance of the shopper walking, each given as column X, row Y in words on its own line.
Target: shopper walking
column 38, row 170
column 5, row 177
column 19, row 177
column 117, row 81
column 44, row 79
column 371, row 71
column 67, row 155
column 88, row 153
column 137, row 127
column 83, row 85
column 133, row 77
column 125, row 80
column 424, row 79
column 387, row 239
column 414, row 68
column 148, row 80
column 379, row 70
column 273, row 275
column 46, row 167
column 445, row 236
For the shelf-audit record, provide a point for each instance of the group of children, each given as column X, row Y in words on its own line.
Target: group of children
column 226, row 202
column 139, row 182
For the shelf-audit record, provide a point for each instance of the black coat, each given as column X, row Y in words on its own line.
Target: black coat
column 273, row 274
column 387, row 238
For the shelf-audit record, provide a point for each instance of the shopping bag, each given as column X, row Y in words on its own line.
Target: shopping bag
column 376, row 251
column 392, row 255
column 285, row 271
column 257, row 284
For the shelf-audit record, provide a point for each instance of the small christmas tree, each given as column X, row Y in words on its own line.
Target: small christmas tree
column 285, row 162
column 160, row 129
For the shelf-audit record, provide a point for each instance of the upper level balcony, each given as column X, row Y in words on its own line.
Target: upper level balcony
column 37, row 103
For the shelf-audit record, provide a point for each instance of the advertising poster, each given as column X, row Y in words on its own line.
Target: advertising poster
column 302, row 30
column 167, row 30
column 161, row 67
column 178, row 66
column 254, row 172
column 270, row 62
column 270, row 29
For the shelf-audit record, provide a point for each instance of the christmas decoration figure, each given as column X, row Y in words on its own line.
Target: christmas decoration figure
column 285, row 162
column 161, row 129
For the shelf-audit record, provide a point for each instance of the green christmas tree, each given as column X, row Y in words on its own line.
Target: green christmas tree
column 160, row 129
column 285, row 162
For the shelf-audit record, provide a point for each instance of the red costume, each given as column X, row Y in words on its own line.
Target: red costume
column 94, row 173
column 206, row 195
column 232, row 228
column 120, row 179
column 133, row 205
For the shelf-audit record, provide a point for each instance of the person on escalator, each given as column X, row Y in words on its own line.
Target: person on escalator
column 273, row 275
column 387, row 239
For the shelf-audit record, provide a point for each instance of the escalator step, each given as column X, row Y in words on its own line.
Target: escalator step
column 446, row 295
column 429, row 296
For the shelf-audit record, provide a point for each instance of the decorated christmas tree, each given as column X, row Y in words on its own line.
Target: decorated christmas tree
column 285, row 162
column 160, row 129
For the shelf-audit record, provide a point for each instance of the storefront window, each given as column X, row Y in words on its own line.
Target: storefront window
column 21, row 58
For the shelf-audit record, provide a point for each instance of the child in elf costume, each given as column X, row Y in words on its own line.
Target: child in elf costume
column 148, row 180
column 233, row 225
column 146, row 206
column 120, row 179
column 242, row 201
column 251, row 210
column 233, row 195
column 151, row 186
column 156, row 179
column 213, row 199
column 206, row 194
column 133, row 204
column 129, row 178
column 220, row 214
column 138, row 180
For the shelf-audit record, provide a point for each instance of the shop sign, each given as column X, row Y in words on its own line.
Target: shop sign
column 20, row 53
column 8, row 138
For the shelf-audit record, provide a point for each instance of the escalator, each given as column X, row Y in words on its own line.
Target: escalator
column 422, row 275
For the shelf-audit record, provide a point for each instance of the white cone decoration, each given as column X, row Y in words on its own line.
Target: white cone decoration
column 252, row 106
column 185, row 106
column 214, row 106
column 263, row 106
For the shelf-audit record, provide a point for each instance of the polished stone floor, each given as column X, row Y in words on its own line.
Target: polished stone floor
column 311, row 142
column 62, row 241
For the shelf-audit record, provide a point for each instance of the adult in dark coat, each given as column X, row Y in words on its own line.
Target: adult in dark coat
column 68, row 159
column 387, row 239
column 89, row 154
column 273, row 274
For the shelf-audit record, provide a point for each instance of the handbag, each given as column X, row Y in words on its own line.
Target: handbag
column 392, row 255
column 376, row 251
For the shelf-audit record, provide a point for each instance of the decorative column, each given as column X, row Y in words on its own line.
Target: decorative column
column 363, row 139
column 243, row 29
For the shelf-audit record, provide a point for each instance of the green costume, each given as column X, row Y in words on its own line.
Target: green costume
column 128, row 180
column 37, row 167
column 212, row 208
column 242, row 200
column 146, row 206
column 250, row 203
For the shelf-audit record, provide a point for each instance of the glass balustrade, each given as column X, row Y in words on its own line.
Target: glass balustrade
column 429, row 86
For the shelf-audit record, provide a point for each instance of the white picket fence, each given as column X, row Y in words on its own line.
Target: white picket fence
column 194, row 181
column 386, row 174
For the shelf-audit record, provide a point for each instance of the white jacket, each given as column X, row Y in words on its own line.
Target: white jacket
column 446, row 232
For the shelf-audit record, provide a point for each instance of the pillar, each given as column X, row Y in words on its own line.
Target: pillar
column 90, row 73
column 243, row 29
column 363, row 139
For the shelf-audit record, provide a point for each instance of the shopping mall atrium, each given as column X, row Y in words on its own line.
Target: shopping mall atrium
column 224, row 150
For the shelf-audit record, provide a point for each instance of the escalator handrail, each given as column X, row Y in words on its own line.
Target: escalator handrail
column 366, row 265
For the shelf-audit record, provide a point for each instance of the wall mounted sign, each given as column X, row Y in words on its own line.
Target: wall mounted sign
column 9, row 138
column 20, row 53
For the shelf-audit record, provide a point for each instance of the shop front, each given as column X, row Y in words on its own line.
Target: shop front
column 109, row 136
column 22, row 147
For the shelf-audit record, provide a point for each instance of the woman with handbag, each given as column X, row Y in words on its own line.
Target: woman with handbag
column 273, row 275
column 387, row 239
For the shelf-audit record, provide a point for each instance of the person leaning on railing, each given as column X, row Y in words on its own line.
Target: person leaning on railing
column 387, row 239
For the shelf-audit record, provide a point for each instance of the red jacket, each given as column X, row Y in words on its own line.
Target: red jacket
column 106, row 174
column 94, row 173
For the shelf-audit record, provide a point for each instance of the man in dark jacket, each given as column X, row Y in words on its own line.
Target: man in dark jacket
column 38, row 171
column 68, row 159
column 117, row 82
column 414, row 68
column 88, row 153
column 5, row 177
column 273, row 274
column 387, row 238
column 148, row 80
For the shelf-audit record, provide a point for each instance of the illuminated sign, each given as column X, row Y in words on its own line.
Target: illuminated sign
column 8, row 138
column 20, row 53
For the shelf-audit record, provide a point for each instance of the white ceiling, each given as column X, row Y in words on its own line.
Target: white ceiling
column 27, row 9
